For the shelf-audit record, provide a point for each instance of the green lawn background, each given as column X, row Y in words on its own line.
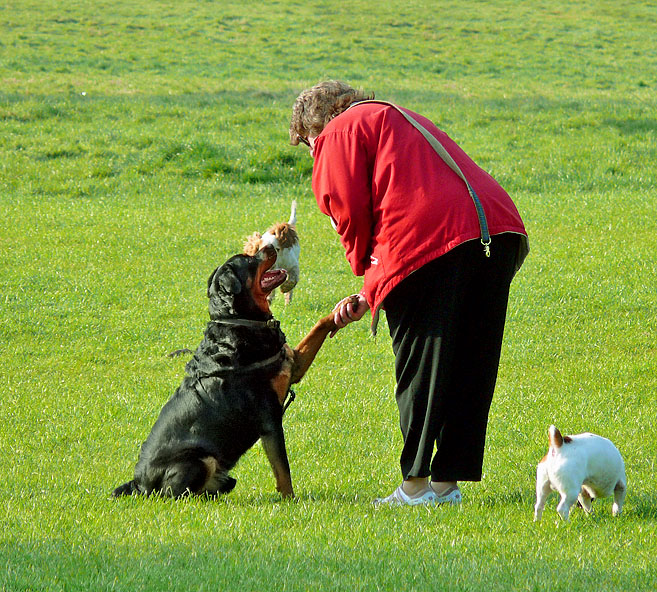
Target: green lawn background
column 139, row 145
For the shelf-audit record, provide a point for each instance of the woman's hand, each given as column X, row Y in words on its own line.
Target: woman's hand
column 349, row 309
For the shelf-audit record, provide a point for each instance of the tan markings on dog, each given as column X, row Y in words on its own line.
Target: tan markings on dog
column 285, row 235
column 253, row 285
column 252, row 245
column 281, row 382
column 211, row 466
column 543, row 459
column 556, row 439
column 305, row 352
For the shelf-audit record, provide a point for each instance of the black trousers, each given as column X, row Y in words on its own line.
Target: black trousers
column 446, row 322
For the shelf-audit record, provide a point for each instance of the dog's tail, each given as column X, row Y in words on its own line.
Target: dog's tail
column 556, row 439
column 293, row 214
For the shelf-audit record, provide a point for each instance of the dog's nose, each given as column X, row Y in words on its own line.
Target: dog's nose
column 269, row 252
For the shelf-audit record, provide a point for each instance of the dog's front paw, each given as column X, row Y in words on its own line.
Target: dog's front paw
column 287, row 495
column 129, row 488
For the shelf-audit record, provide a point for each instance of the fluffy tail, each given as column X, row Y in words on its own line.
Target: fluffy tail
column 293, row 214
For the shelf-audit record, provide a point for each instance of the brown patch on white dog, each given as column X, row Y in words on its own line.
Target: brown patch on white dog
column 284, row 238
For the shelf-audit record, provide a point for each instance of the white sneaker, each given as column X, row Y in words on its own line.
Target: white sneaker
column 398, row 498
column 449, row 496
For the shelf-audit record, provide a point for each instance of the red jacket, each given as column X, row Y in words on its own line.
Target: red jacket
column 394, row 202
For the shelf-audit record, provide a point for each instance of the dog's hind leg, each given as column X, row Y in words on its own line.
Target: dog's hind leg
column 568, row 498
column 619, row 498
column 217, row 480
column 585, row 500
column 543, row 490
column 274, row 444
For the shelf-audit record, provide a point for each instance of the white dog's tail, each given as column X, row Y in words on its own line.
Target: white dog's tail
column 293, row 214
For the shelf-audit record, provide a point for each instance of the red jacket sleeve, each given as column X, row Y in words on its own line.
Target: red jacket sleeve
column 342, row 188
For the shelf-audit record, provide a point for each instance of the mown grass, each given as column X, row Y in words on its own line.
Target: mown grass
column 139, row 145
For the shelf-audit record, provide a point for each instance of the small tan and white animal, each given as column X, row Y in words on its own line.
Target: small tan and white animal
column 284, row 238
column 580, row 467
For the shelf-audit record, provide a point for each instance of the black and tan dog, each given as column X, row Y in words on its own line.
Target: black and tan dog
column 233, row 392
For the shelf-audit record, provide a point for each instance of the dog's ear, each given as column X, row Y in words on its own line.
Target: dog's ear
column 286, row 236
column 252, row 244
column 211, row 279
column 223, row 279
column 223, row 286
column 281, row 236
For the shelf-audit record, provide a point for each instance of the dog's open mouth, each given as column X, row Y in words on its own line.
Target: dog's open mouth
column 270, row 280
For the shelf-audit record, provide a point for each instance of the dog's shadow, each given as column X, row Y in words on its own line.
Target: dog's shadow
column 642, row 506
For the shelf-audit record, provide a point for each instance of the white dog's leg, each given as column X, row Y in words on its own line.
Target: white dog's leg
column 543, row 490
column 568, row 498
column 619, row 498
column 585, row 500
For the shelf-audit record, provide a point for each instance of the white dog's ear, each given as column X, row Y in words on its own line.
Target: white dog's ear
column 252, row 244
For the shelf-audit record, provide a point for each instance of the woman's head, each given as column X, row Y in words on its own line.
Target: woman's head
column 316, row 106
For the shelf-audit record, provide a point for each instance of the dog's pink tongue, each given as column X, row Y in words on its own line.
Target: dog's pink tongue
column 272, row 279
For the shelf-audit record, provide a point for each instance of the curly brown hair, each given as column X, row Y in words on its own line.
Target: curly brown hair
column 316, row 106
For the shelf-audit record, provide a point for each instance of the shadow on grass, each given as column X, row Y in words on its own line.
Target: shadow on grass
column 255, row 499
column 641, row 506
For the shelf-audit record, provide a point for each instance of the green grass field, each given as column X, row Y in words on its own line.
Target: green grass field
column 141, row 142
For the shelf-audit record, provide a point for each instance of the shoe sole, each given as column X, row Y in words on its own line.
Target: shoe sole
column 453, row 498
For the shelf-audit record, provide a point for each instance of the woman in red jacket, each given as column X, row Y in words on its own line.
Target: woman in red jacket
column 438, row 242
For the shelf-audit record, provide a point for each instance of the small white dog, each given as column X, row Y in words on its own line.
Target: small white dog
column 584, row 466
column 284, row 238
